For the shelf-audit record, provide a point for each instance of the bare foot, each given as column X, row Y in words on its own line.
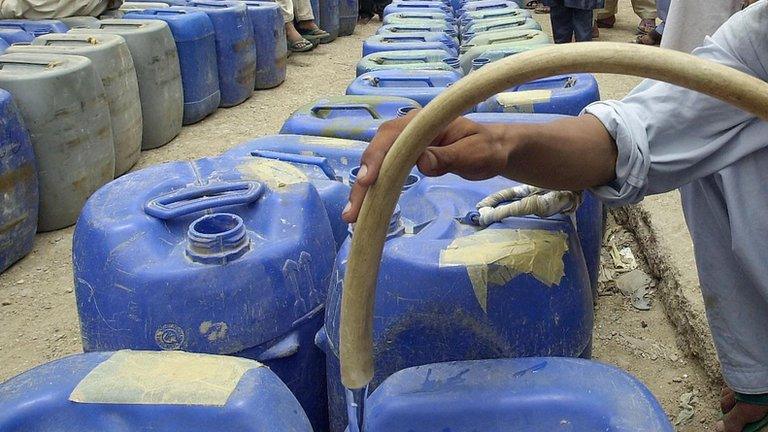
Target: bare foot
column 737, row 414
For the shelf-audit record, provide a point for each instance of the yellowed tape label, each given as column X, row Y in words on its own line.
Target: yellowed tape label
column 523, row 101
column 496, row 256
column 162, row 378
column 273, row 173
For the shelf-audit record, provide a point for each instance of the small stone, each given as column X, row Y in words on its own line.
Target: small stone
column 673, row 357
column 69, row 290
column 20, row 281
column 6, row 303
column 643, row 324
column 677, row 379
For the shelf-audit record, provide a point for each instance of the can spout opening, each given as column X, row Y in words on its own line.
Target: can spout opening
column 217, row 239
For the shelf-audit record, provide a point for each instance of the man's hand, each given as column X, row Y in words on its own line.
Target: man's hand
column 466, row 148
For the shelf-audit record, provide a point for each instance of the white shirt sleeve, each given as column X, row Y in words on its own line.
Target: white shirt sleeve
column 668, row 136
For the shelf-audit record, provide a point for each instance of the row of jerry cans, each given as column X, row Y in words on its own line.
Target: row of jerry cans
column 237, row 255
column 337, row 17
column 244, row 245
column 177, row 391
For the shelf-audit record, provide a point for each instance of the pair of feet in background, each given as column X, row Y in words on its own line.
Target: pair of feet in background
column 304, row 36
column 646, row 30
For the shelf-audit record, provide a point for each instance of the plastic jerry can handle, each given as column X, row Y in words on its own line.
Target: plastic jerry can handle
column 378, row 80
column 317, row 161
column 510, row 39
column 341, row 107
column 403, row 39
column 283, row 348
column 505, row 25
column 492, row 6
column 195, row 198
column 384, row 59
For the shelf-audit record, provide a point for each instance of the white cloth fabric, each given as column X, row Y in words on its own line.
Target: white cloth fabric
column 669, row 137
column 689, row 21
column 301, row 10
column 49, row 9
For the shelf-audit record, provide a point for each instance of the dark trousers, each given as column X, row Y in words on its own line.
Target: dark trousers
column 570, row 23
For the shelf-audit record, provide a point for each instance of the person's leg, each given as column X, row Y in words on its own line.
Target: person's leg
column 646, row 10
column 305, row 22
column 608, row 13
column 562, row 22
column 365, row 11
column 582, row 24
column 662, row 8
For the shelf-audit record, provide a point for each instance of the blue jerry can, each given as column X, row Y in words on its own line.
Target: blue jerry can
column 590, row 217
column 18, row 185
column 424, row 6
column 417, row 16
column 461, row 292
column 195, row 42
column 168, row 2
column 271, row 49
column 32, row 27
column 514, row 23
column 413, row 60
column 348, row 117
column 493, row 14
column 326, row 162
column 144, row 390
column 328, row 17
column 223, row 256
column 235, row 48
column 561, row 94
column 487, row 5
column 411, row 42
column 521, row 395
column 430, row 26
column 348, row 11
column 15, row 35
column 419, row 85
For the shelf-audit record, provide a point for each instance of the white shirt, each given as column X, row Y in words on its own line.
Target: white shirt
column 717, row 155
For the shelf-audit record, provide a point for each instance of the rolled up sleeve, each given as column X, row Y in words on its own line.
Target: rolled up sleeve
column 668, row 136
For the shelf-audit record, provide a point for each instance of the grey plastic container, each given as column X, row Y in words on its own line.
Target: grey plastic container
column 80, row 22
column 157, row 69
column 63, row 104
column 112, row 60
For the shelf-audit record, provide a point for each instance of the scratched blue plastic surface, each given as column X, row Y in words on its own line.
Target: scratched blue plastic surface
column 349, row 117
column 195, row 42
column 271, row 49
column 348, row 10
column 521, row 395
column 18, row 185
column 235, row 48
column 570, row 94
column 428, row 313
column 153, row 271
column 3, row 45
column 419, row 85
column 590, row 216
column 38, row 401
column 325, row 161
column 15, row 35
column 328, row 17
column 423, row 41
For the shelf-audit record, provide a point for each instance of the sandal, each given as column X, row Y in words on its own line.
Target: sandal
column 301, row 45
column 533, row 4
column 646, row 26
column 652, row 39
column 315, row 35
column 541, row 9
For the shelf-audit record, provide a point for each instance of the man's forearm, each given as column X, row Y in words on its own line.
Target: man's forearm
column 569, row 154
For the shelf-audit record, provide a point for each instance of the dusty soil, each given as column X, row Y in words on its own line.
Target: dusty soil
column 38, row 319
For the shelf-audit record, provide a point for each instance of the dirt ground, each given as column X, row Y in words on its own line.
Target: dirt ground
column 38, row 319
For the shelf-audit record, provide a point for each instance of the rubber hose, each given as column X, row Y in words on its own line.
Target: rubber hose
column 725, row 83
